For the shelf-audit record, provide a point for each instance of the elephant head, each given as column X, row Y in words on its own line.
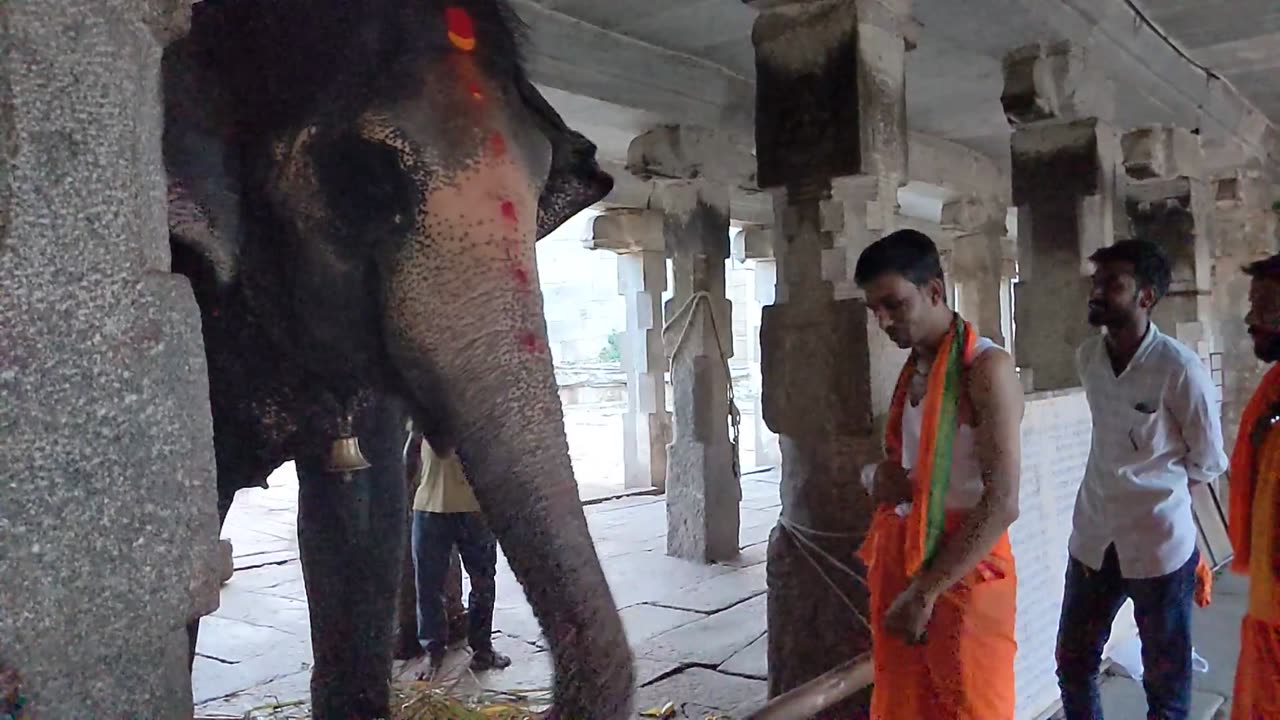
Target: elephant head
column 371, row 178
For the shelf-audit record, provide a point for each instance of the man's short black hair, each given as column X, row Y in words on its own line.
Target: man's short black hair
column 909, row 253
column 1264, row 269
column 1150, row 264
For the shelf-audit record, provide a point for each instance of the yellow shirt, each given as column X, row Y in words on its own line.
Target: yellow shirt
column 442, row 487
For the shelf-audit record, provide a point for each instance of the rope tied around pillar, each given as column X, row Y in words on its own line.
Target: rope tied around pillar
column 702, row 298
column 808, row 548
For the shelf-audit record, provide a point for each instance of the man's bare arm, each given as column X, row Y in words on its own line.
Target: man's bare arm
column 995, row 395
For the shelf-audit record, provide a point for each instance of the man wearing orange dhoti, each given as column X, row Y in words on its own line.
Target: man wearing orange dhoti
column 939, row 566
column 1255, row 507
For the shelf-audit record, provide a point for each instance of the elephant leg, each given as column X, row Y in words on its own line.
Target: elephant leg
column 351, row 565
column 193, row 627
column 456, row 611
column 407, row 645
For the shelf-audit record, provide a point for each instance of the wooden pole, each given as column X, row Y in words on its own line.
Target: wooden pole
column 820, row 693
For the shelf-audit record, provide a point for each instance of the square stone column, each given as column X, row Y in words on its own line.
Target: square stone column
column 1065, row 160
column 694, row 169
column 1167, row 201
column 831, row 144
column 703, row 488
column 756, row 244
column 1244, row 229
column 108, row 508
column 637, row 237
column 977, row 260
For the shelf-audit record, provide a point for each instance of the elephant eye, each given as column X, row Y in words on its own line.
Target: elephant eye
column 365, row 188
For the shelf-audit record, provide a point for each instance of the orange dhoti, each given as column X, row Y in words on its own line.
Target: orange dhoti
column 964, row 669
column 1255, row 522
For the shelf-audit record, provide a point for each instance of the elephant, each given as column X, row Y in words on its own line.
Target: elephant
column 355, row 190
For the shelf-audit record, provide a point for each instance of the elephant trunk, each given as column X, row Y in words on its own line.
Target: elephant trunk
column 466, row 331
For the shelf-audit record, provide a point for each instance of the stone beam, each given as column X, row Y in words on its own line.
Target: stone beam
column 581, row 58
column 625, row 230
column 938, row 161
column 746, row 205
column 683, row 151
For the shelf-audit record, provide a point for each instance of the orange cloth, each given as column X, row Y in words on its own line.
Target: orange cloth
column 1243, row 476
column 1204, row 583
column 1255, row 514
column 964, row 670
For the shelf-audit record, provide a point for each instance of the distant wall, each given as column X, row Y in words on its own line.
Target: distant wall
column 1056, row 433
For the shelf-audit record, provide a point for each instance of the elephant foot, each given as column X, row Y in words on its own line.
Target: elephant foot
column 407, row 647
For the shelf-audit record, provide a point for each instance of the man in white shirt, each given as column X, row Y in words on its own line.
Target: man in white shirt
column 1156, row 431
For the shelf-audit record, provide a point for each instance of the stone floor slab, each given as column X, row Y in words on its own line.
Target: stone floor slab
column 712, row 640
column 1122, row 697
column 698, row 692
column 642, row 622
column 718, row 593
column 752, row 661
column 1215, row 632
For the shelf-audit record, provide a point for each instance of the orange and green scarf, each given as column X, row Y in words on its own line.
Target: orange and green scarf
column 932, row 468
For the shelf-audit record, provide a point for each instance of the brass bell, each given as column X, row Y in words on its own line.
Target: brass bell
column 344, row 454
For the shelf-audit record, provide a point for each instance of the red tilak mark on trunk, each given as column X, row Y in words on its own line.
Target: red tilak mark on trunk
column 530, row 342
column 473, row 89
column 497, row 145
column 521, row 276
column 509, row 211
column 462, row 30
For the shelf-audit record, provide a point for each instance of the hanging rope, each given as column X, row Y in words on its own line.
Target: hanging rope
column 703, row 299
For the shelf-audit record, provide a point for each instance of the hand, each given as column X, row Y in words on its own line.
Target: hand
column 893, row 484
column 908, row 617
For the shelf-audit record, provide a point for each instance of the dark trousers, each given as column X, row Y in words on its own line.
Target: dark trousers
column 434, row 536
column 1162, row 609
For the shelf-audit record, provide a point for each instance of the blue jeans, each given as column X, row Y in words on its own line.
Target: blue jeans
column 434, row 536
column 1162, row 609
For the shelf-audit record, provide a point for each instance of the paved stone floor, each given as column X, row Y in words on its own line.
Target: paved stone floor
column 698, row 631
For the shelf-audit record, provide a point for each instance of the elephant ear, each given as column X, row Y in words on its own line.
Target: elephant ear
column 203, row 171
column 575, row 181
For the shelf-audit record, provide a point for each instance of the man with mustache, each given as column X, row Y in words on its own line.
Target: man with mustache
column 1255, row 507
column 1156, row 431
column 939, row 565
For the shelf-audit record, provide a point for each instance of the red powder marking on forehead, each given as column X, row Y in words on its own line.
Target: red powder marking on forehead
column 497, row 144
column 473, row 89
column 530, row 342
column 509, row 211
column 462, row 30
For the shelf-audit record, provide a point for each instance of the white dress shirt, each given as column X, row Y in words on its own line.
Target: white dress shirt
column 1156, row 428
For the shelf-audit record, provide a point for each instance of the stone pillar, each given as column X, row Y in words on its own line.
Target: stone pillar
column 636, row 235
column 831, row 143
column 695, row 168
column 1244, row 230
column 977, row 260
column 108, row 526
column 1065, row 158
column 1167, row 201
column 756, row 244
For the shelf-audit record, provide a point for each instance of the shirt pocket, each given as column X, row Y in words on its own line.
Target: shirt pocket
column 1144, row 426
